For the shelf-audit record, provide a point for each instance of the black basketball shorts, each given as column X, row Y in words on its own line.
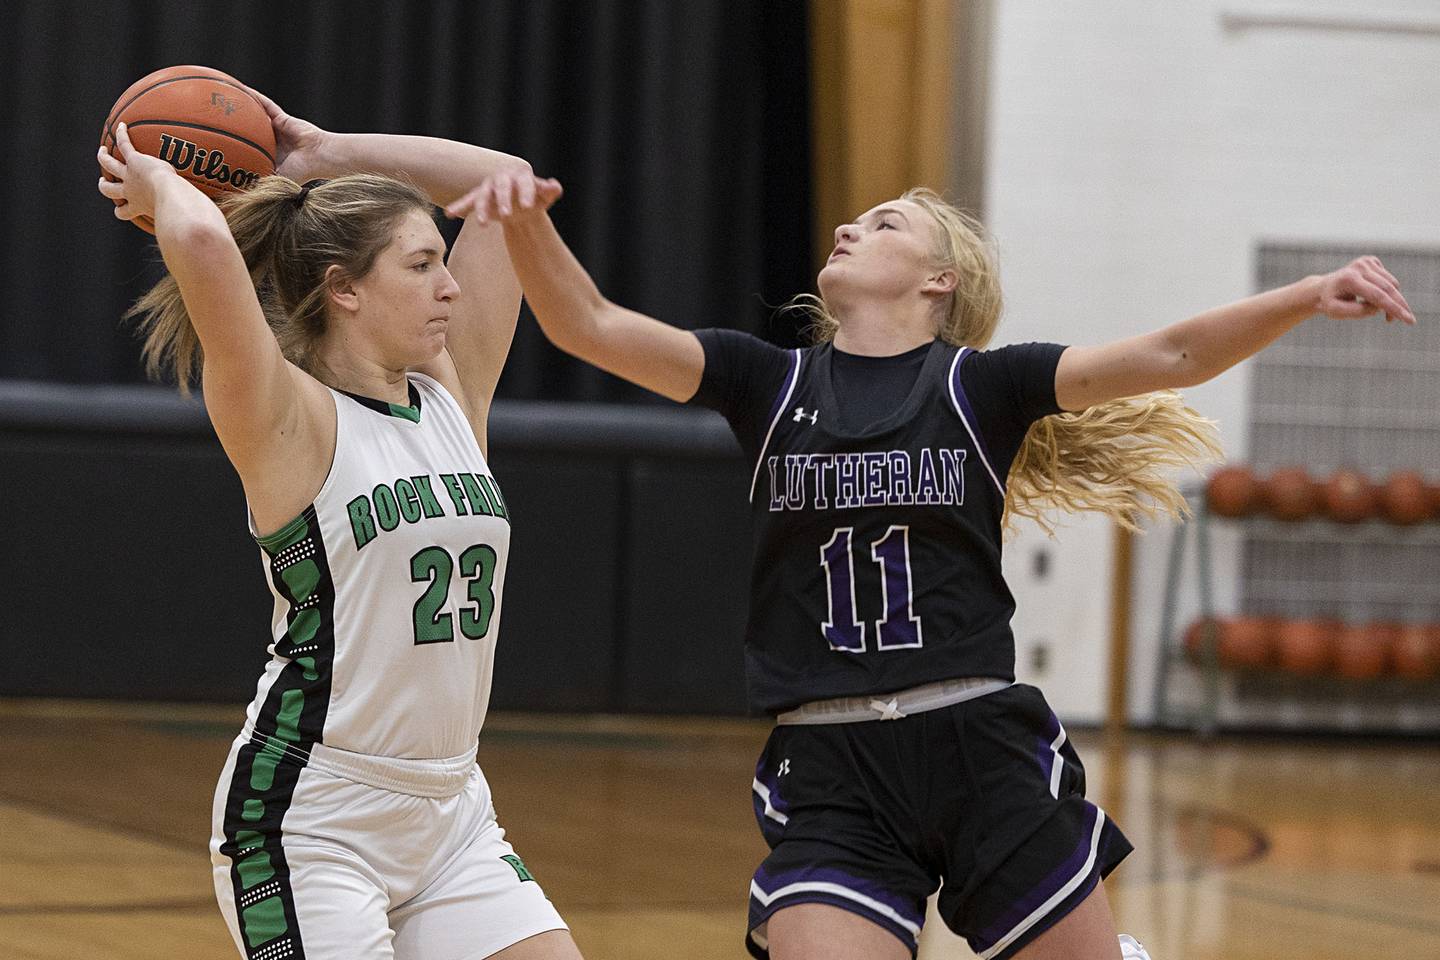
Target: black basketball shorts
column 984, row 800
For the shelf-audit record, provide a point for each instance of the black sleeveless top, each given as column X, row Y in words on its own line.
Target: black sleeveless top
column 877, row 490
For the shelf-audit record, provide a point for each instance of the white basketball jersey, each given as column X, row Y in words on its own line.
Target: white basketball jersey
column 387, row 589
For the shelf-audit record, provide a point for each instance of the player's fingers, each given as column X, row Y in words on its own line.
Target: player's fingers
column 504, row 194
column 1359, row 287
column 549, row 190
column 1377, row 265
column 464, row 205
column 1394, row 304
column 110, row 163
column 112, row 189
column 525, row 192
column 123, row 146
column 271, row 107
column 122, row 212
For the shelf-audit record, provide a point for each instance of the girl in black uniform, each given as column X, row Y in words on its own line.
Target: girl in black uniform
column 885, row 460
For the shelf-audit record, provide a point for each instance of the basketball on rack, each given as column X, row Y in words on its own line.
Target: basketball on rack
column 1232, row 491
column 1403, row 498
column 1416, row 651
column 1349, row 497
column 1362, row 650
column 1290, row 494
column 1306, row 647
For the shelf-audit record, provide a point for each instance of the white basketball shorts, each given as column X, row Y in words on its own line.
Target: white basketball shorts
column 350, row 856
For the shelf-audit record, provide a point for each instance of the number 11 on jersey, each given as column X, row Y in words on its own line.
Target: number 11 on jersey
column 899, row 628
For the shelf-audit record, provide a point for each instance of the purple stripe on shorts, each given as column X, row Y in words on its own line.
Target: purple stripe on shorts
column 760, row 914
column 1044, row 752
column 1042, row 891
column 909, row 910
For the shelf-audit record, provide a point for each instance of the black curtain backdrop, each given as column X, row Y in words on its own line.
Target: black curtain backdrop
column 679, row 128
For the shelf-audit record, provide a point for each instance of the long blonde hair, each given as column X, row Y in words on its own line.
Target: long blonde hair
column 1114, row 458
column 289, row 237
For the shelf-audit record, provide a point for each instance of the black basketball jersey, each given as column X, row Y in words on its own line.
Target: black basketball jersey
column 876, row 547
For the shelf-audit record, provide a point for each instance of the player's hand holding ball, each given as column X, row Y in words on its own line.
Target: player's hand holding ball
column 208, row 126
column 132, row 179
column 508, row 196
column 299, row 144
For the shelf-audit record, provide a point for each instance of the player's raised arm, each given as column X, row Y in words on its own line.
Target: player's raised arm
column 1199, row 348
column 250, row 389
column 482, row 321
column 570, row 308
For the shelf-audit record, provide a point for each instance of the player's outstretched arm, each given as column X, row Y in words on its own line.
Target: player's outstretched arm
column 482, row 320
column 251, row 391
column 1204, row 346
column 571, row 310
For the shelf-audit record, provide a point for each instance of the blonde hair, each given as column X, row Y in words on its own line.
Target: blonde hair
column 289, row 237
column 1114, row 458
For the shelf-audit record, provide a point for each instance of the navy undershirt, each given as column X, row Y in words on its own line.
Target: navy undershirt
column 869, row 389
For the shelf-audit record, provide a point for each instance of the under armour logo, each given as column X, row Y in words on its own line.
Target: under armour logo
column 812, row 416
column 784, row 767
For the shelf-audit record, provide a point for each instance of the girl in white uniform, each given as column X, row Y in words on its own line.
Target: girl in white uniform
column 351, row 394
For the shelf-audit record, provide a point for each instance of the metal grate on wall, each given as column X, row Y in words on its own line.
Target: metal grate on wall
column 1363, row 395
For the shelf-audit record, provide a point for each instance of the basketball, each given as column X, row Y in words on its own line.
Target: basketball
column 1403, row 499
column 1307, row 647
column 1415, row 651
column 202, row 122
column 1247, row 642
column 1232, row 492
column 1349, row 497
column 1290, row 494
column 1362, row 650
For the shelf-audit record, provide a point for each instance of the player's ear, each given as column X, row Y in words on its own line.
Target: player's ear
column 941, row 282
column 340, row 289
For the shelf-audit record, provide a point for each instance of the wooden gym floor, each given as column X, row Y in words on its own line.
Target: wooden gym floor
column 640, row 830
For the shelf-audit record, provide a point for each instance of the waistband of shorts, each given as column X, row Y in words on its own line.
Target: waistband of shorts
column 432, row 779
column 894, row 706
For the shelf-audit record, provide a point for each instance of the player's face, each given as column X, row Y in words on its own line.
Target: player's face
column 406, row 296
column 887, row 251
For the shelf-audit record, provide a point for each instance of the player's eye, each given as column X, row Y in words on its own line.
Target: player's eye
column 885, row 225
column 423, row 265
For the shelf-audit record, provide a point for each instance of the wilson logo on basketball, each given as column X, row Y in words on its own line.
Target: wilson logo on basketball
column 210, row 164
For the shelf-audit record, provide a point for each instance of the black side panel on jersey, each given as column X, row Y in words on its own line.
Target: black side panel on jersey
column 291, row 720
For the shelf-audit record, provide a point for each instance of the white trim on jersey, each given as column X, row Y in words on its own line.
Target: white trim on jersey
column 835, row 890
column 1058, row 765
column 779, row 412
column 1070, row 886
column 763, row 792
column 955, row 402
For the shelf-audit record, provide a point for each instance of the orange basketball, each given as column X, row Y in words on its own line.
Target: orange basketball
column 1247, row 643
column 1404, row 499
column 1362, row 650
column 1306, row 646
column 1203, row 631
column 1416, row 651
column 1349, row 497
column 1290, row 494
column 1232, row 491
column 202, row 122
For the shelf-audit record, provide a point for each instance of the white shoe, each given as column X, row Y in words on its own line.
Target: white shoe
column 1130, row 948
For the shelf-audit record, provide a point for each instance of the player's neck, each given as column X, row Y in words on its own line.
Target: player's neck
column 350, row 373
column 879, row 332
